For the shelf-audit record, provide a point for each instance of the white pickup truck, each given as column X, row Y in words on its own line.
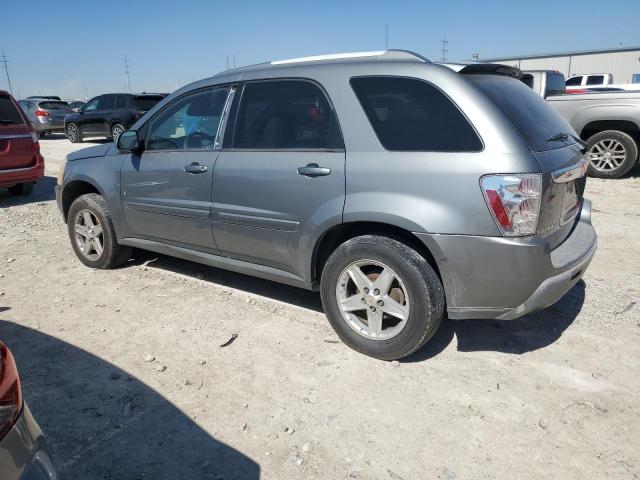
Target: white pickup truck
column 608, row 121
column 580, row 83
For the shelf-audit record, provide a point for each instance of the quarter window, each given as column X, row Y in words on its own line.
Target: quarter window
column 190, row 122
column 412, row 115
column 285, row 114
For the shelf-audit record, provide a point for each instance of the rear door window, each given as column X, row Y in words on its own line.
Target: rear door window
column 574, row 82
column 121, row 102
column 533, row 117
column 285, row 114
column 409, row 114
column 9, row 114
column 595, row 80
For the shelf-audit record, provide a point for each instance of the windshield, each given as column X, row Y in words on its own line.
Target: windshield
column 146, row 103
column 9, row 114
column 536, row 121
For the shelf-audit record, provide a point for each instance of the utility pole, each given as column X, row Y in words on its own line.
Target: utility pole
column 444, row 42
column 127, row 71
column 386, row 35
column 228, row 67
column 5, row 63
column 476, row 57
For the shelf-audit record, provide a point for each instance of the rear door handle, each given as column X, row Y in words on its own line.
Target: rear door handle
column 195, row 168
column 313, row 170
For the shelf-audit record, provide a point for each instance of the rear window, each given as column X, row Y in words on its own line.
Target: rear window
column 53, row 105
column 555, row 84
column 9, row 114
column 411, row 115
column 146, row 103
column 533, row 117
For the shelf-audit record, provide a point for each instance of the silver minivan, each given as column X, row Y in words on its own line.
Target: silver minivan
column 402, row 190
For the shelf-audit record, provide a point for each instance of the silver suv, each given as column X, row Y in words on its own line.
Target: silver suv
column 399, row 189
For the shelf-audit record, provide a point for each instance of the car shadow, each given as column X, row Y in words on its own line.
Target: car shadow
column 225, row 278
column 531, row 332
column 103, row 423
column 43, row 191
column 526, row 334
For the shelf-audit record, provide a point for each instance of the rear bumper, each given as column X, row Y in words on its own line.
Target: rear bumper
column 24, row 453
column 57, row 126
column 506, row 278
column 23, row 175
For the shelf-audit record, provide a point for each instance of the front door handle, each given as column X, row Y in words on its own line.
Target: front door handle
column 313, row 170
column 195, row 168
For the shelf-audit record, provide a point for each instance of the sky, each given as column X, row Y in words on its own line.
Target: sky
column 76, row 48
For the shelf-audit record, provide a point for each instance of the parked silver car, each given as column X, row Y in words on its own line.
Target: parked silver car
column 45, row 114
column 23, row 449
column 398, row 188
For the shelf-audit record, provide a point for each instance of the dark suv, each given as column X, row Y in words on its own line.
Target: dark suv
column 109, row 115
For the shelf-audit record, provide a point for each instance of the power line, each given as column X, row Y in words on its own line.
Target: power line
column 5, row 63
column 127, row 71
column 444, row 42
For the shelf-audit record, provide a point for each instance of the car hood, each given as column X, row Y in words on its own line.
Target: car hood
column 92, row 152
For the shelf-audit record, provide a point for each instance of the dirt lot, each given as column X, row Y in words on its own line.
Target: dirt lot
column 124, row 371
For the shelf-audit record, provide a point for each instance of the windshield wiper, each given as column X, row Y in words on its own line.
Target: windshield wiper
column 565, row 136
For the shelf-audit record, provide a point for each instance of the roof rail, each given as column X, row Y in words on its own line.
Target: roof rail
column 377, row 54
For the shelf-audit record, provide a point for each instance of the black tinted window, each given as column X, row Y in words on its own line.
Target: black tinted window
column 287, row 114
column 573, row 82
column 412, row 115
column 595, row 79
column 533, row 117
column 9, row 114
column 107, row 102
column 190, row 122
column 146, row 103
column 121, row 102
column 53, row 105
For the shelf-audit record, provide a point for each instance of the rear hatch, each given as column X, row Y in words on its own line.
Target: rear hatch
column 56, row 111
column 552, row 142
column 17, row 144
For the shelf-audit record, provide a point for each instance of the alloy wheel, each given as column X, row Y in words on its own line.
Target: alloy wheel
column 88, row 235
column 373, row 299
column 607, row 155
column 116, row 131
column 72, row 132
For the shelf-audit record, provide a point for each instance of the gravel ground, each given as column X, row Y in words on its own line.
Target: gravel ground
column 124, row 371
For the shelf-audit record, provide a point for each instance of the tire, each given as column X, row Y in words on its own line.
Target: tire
column 416, row 289
column 611, row 154
column 116, row 131
column 73, row 133
column 21, row 189
column 112, row 254
column 41, row 134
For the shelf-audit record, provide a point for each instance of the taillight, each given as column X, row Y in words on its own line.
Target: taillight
column 514, row 201
column 41, row 113
column 10, row 392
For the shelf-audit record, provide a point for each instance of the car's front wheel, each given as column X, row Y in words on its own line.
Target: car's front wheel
column 381, row 296
column 611, row 154
column 92, row 234
column 73, row 133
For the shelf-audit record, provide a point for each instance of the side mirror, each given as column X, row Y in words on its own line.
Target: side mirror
column 129, row 141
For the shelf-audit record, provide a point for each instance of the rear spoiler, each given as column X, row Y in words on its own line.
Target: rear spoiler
column 492, row 69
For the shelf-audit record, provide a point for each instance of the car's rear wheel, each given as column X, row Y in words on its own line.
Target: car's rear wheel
column 92, row 234
column 21, row 189
column 611, row 154
column 382, row 297
column 73, row 133
column 41, row 134
column 116, row 131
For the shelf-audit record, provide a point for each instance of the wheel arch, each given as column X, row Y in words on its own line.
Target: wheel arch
column 73, row 190
column 597, row 126
column 340, row 233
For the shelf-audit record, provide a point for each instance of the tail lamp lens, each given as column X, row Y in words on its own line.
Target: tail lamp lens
column 41, row 113
column 10, row 392
column 514, row 201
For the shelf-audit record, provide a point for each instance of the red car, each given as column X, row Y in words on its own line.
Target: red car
column 21, row 164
